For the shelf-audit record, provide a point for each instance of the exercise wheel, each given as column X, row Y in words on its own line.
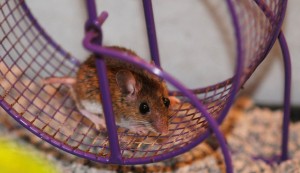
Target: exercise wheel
column 28, row 55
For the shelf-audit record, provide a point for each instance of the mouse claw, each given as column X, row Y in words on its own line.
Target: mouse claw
column 99, row 124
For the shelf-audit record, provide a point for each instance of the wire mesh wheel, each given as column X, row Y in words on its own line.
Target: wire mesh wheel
column 28, row 55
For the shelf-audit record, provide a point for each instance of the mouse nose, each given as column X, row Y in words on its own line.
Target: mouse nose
column 165, row 130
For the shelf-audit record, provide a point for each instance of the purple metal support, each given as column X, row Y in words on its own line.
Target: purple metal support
column 92, row 15
column 287, row 72
column 92, row 23
column 115, row 153
column 287, row 96
column 153, row 45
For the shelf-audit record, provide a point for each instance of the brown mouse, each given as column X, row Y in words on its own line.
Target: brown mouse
column 140, row 99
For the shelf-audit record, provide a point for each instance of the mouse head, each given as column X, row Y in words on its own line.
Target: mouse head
column 144, row 102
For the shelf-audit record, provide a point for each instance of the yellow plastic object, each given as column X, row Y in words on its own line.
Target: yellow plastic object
column 17, row 159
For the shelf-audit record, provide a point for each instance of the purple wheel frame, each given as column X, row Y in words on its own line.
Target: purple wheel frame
column 28, row 55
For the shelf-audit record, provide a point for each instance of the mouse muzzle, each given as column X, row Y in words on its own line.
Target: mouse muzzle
column 161, row 125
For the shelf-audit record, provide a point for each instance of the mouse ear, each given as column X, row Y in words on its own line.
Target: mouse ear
column 127, row 84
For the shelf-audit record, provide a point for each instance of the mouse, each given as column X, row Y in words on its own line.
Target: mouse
column 140, row 100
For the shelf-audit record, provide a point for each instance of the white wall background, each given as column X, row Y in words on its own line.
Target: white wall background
column 195, row 40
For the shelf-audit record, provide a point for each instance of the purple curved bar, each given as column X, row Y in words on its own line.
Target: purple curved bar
column 44, row 34
column 150, row 24
column 239, row 60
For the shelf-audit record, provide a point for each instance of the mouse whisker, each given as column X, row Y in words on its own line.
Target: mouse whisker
column 141, row 122
column 146, row 125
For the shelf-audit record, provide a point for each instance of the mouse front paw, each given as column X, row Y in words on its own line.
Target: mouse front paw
column 99, row 122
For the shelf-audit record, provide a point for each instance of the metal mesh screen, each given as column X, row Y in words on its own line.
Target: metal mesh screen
column 28, row 55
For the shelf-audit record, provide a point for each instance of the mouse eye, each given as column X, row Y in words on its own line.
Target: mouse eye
column 144, row 108
column 166, row 102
